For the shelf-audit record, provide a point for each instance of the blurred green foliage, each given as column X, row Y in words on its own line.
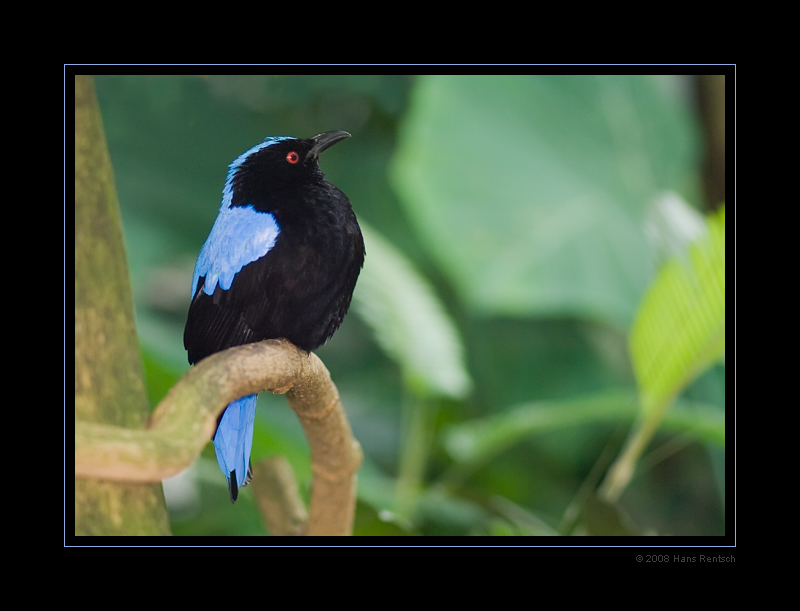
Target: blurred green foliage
column 512, row 229
column 680, row 328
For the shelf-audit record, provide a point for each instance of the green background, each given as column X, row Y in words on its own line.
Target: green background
column 484, row 364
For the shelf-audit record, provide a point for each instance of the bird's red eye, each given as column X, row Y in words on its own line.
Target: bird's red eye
column 292, row 157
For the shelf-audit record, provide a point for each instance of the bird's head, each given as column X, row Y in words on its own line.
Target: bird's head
column 264, row 172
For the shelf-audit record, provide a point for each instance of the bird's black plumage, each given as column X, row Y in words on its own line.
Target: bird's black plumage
column 281, row 261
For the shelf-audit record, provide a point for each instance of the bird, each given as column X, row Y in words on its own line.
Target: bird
column 281, row 261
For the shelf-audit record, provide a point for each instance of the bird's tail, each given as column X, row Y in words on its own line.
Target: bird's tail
column 233, row 442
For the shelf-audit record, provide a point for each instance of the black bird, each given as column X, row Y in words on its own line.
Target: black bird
column 282, row 260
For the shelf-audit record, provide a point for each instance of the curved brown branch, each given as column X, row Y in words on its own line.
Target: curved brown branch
column 278, row 498
column 184, row 421
column 335, row 453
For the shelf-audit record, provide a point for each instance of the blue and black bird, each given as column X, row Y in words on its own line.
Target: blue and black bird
column 282, row 260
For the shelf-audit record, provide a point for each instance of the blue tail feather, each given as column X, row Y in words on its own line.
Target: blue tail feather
column 233, row 442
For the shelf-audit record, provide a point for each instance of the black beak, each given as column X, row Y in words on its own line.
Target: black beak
column 325, row 141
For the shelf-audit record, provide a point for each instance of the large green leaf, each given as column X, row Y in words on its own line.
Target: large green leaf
column 680, row 328
column 678, row 332
column 409, row 322
column 531, row 191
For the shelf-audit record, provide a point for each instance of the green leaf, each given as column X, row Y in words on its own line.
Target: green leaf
column 479, row 440
column 531, row 191
column 680, row 327
column 409, row 322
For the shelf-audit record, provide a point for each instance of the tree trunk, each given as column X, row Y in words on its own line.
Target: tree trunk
column 109, row 382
